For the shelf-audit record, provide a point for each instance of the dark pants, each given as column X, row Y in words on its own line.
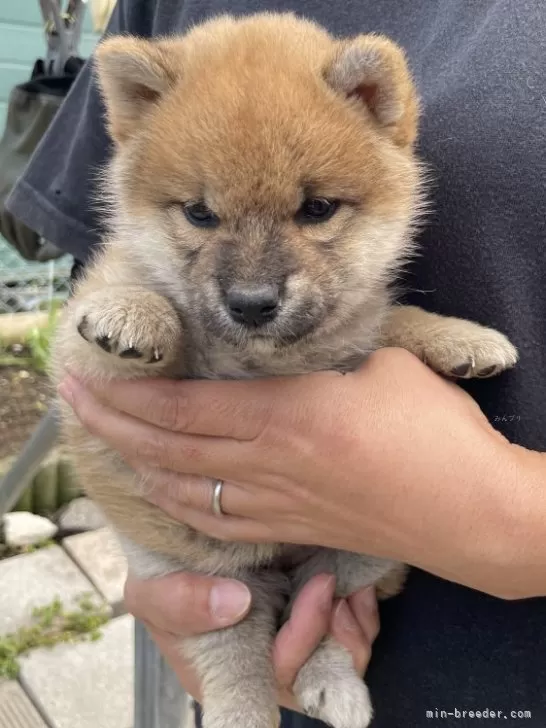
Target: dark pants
column 446, row 648
column 289, row 720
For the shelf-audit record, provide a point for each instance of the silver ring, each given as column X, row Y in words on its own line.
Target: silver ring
column 217, row 498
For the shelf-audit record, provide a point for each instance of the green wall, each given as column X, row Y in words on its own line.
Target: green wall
column 22, row 41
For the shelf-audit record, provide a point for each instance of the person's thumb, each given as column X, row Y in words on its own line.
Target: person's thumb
column 186, row 604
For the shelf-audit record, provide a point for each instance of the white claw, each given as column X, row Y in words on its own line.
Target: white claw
column 156, row 354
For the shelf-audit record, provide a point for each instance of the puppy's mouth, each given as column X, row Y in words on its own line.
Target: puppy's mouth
column 284, row 331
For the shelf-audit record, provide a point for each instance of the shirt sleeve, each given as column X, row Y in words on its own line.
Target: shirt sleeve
column 57, row 194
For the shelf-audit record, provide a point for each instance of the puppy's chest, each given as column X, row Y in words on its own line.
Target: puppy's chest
column 219, row 362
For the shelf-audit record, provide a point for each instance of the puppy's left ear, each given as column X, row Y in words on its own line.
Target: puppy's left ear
column 373, row 69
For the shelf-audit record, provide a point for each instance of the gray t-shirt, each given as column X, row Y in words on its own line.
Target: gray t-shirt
column 480, row 66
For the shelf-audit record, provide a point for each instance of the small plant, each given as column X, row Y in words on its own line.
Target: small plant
column 8, row 551
column 50, row 626
column 33, row 351
column 39, row 340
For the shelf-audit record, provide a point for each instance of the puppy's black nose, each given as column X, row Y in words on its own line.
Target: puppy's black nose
column 253, row 305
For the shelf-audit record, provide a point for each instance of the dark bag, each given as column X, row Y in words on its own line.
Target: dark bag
column 31, row 108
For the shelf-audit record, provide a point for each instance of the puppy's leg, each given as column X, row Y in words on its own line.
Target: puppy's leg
column 234, row 665
column 451, row 346
column 118, row 331
column 327, row 686
column 392, row 583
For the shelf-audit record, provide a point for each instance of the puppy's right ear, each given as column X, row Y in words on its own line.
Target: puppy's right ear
column 133, row 75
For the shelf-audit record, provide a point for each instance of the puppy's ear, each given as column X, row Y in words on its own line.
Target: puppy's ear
column 133, row 75
column 373, row 69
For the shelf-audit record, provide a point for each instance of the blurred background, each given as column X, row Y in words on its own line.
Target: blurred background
column 30, row 291
column 65, row 639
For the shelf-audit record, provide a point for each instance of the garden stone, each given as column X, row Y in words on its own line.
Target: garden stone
column 81, row 515
column 26, row 529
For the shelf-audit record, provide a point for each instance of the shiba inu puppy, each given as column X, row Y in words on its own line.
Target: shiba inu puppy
column 263, row 193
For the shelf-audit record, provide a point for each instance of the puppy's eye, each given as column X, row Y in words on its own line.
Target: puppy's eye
column 316, row 209
column 198, row 214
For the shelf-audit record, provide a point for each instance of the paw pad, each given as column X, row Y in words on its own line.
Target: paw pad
column 463, row 370
column 104, row 343
column 130, row 353
column 114, row 344
column 487, row 372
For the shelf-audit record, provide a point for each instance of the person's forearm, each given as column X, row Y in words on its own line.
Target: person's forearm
column 525, row 533
column 390, row 460
column 497, row 527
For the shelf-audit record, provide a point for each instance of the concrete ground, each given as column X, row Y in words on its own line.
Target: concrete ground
column 72, row 685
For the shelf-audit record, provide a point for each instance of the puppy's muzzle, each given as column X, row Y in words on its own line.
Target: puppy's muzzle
column 253, row 305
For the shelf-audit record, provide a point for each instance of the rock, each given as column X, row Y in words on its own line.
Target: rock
column 26, row 529
column 81, row 515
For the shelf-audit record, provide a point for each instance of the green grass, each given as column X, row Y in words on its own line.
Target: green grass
column 8, row 551
column 51, row 625
column 35, row 345
column 39, row 340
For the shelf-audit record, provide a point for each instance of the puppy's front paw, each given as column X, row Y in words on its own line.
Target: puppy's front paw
column 328, row 688
column 137, row 326
column 464, row 350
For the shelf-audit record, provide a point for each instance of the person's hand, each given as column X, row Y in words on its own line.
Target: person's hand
column 183, row 605
column 390, row 460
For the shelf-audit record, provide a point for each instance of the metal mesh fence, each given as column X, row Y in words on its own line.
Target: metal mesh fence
column 25, row 288
column 28, row 286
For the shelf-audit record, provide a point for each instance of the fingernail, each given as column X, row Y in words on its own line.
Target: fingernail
column 343, row 617
column 229, row 600
column 366, row 599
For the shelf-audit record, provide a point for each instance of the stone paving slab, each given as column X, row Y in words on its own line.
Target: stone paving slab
column 85, row 685
column 35, row 580
column 81, row 514
column 16, row 710
column 99, row 556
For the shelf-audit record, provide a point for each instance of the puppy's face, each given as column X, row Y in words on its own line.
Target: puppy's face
column 264, row 172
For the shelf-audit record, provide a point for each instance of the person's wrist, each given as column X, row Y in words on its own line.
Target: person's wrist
column 524, row 533
column 472, row 532
column 502, row 550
